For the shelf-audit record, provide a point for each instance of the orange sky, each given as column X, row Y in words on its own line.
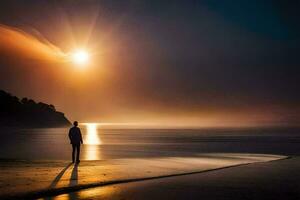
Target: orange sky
column 108, row 89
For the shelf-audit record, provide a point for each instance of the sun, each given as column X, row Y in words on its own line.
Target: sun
column 80, row 57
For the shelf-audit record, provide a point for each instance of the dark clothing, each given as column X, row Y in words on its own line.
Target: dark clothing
column 76, row 140
column 75, row 135
column 77, row 149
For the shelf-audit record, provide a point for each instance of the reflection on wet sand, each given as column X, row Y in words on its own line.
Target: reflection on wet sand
column 94, row 193
column 98, row 193
column 92, row 142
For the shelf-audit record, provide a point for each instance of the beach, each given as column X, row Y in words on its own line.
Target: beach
column 275, row 180
column 145, row 163
column 40, row 179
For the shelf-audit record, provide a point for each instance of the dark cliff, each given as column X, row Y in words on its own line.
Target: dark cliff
column 27, row 113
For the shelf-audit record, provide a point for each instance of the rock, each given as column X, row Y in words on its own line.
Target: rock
column 28, row 113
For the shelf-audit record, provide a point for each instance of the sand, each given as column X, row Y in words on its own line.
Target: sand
column 36, row 179
column 278, row 180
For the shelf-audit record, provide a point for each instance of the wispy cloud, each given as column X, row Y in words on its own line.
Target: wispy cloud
column 17, row 42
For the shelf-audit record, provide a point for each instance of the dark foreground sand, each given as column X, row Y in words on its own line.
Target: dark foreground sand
column 267, row 180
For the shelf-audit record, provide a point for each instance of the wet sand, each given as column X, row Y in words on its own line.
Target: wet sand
column 267, row 180
column 36, row 179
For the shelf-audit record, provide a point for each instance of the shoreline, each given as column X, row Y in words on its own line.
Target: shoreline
column 127, row 171
column 266, row 180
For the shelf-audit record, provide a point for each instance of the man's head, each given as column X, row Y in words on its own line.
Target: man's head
column 75, row 123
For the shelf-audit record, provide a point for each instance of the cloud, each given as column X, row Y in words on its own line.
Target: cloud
column 16, row 42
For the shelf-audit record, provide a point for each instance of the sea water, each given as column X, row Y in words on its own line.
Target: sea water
column 101, row 143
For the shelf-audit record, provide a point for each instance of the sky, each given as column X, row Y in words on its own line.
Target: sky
column 172, row 63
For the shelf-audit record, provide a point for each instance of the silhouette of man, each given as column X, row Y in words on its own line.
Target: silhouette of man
column 75, row 140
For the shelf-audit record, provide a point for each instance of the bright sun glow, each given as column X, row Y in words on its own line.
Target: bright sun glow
column 80, row 57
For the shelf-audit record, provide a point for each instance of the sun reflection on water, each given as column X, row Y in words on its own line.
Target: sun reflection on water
column 92, row 136
column 92, row 141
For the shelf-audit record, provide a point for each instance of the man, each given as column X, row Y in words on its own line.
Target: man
column 76, row 140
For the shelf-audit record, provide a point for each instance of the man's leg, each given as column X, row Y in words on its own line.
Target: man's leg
column 73, row 152
column 78, row 153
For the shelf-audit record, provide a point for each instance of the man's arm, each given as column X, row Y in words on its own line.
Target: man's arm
column 80, row 136
column 70, row 135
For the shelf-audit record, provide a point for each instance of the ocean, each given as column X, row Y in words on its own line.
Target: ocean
column 101, row 143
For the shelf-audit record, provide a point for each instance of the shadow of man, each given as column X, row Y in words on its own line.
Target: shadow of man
column 74, row 176
column 58, row 177
column 73, row 182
